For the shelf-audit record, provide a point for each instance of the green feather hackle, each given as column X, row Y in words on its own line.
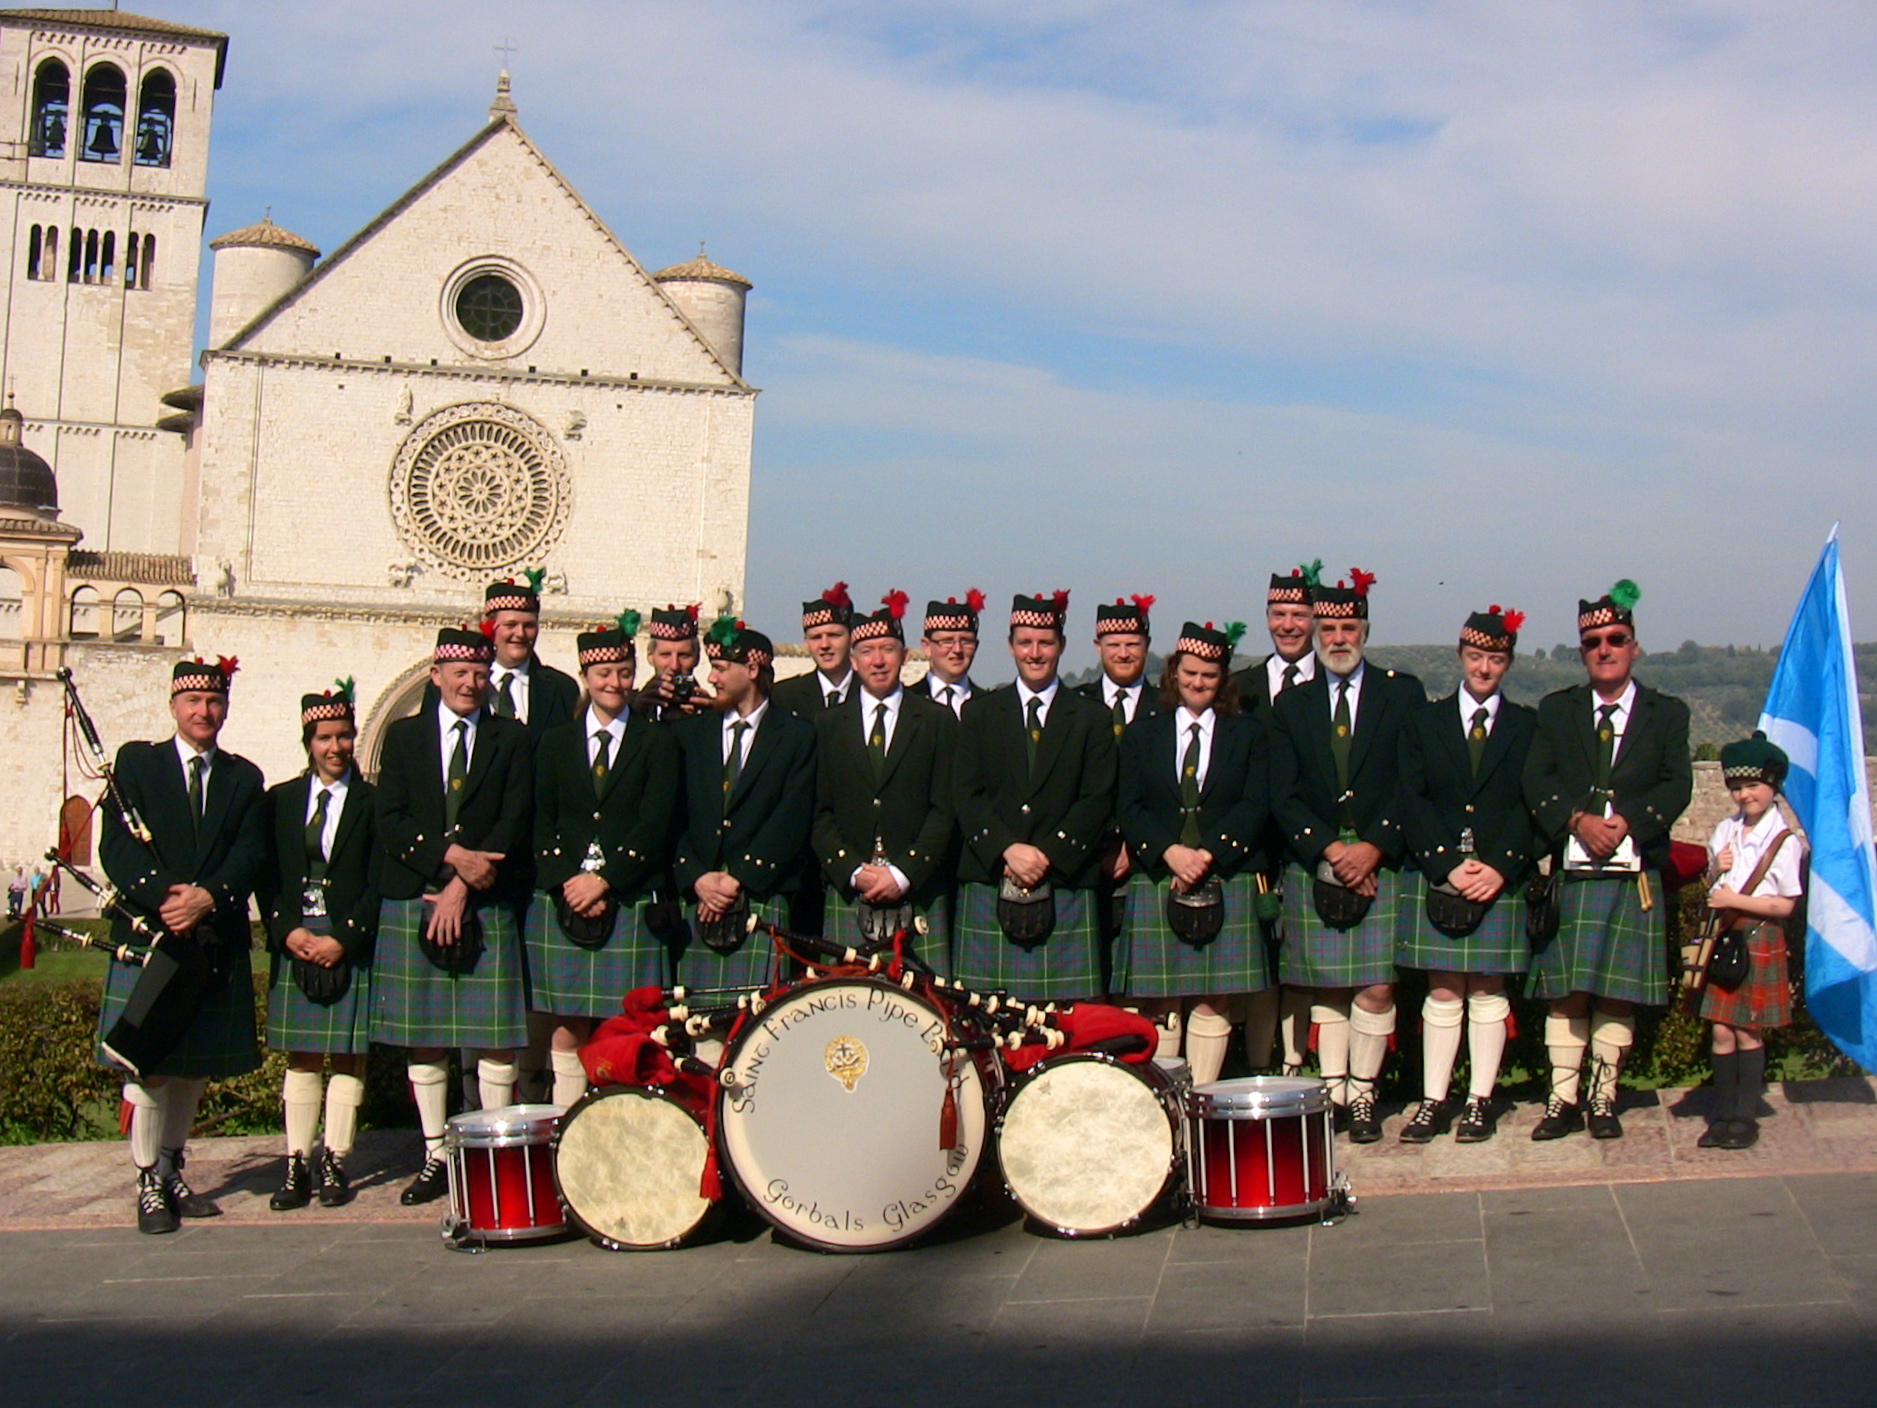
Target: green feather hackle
column 1626, row 594
column 346, row 689
column 535, row 577
column 1234, row 633
column 1312, row 573
column 628, row 622
column 722, row 631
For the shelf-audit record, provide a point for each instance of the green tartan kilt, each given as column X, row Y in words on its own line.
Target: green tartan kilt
column 416, row 1004
column 570, row 981
column 1606, row 943
column 1067, row 964
column 1764, row 999
column 1317, row 956
column 1499, row 944
column 295, row 1024
column 704, row 970
column 219, row 1042
column 841, row 925
column 1153, row 961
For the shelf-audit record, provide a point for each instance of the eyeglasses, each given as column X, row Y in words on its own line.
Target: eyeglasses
column 1615, row 639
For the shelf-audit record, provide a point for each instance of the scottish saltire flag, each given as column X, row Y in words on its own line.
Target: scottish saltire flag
column 1812, row 713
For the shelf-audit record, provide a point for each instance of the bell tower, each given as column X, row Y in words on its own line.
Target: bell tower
column 104, row 150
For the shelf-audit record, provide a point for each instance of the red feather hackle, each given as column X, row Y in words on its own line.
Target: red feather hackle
column 895, row 603
column 1144, row 603
column 228, row 664
column 1361, row 580
column 975, row 600
column 836, row 595
column 1513, row 620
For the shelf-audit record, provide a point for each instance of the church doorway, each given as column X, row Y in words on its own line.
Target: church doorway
column 400, row 701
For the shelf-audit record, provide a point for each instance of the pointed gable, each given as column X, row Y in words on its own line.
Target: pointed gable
column 497, row 206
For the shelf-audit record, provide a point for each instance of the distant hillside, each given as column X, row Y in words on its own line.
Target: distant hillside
column 1725, row 685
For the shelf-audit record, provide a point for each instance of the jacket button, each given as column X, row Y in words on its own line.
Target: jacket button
column 1025, row 808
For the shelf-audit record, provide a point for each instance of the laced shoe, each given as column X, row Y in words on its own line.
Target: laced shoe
column 1365, row 1124
column 1428, row 1120
column 335, row 1189
column 431, row 1183
column 182, row 1198
column 1561, row 1117
column 1603, row 1121
column 296, row 1191
column 1477, row 1122
column 154, row 1213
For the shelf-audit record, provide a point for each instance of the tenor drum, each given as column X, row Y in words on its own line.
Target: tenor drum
column 1089, row 1144
column 1260, row 1148
column 833, row 1111
column 501, row 1174
column 627, row 1164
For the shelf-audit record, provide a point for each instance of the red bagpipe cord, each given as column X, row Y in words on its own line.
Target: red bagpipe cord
column 1084, row 1024
column 623, row 1052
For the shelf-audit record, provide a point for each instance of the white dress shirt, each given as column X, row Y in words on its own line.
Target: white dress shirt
column 960, row 692
column 447, row 720
column 617, row 730
column 869, row 707
column 754, row 719
column 1354, row 695
column 1183, row 735
column 1469, row 706
column 1275, row 665
column 518, row 690
column 185, row 750
column 1749, row 843
column 1047, row 694
column 335, row 808
column 1619, row 721
column 832, row 694
column 1130, row 696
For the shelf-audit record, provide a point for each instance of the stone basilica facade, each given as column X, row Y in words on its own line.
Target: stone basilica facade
column 483, row 379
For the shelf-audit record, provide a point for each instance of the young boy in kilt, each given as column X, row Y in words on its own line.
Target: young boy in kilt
column 1192, row 803
column 1035, row 782
column 749, row 805
column 455, row 793
column 194, row 876
column 1335, row 789
column 1606, row 777
column 605, row 805
column 1754, row 841
column 883, row 796
column 321, row 912
column 1470, row 835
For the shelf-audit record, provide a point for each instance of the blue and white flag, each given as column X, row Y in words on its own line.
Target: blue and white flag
column 1812, row 713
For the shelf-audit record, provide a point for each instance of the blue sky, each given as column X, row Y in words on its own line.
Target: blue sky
column 1501, row 302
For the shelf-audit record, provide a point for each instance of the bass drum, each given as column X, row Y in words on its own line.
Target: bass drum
column 627, row 1164
column 1089, row 1144
column 833, row 1105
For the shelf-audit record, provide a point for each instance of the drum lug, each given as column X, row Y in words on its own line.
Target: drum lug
column 1342, row 1202
column 457, row 1238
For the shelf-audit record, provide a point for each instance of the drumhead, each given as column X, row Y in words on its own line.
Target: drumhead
column 830, row 1117
column 627, row 1164
column 1260, row 1097
column 502, row 1128
column 1087, row 1144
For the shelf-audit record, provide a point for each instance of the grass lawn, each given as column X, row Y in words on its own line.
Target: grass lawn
column 53, row 965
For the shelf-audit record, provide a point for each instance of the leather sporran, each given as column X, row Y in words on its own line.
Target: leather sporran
column 726, row 934
column 1453, row 913
column 322, row 986
column 461, row 956
column 586, row 930
column 1026, row 916
column 1196, row 916
column 1541, row 907
column 1336, row 904
column 880, row 924
column 1729, row 962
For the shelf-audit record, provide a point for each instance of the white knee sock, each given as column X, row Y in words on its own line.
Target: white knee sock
column 1260, row 1019
column 430, row 1088
column 146, row 1122
column 1207, row 1036
column 570, row 1077
column 1441, row 1022
column 1293, row 1026
column 302, row 1093
column 181, row 1095
column 495, row 1081
column 1167, row 1043
column 1486, row 1016
column 1332, row 1024
column 1610, row 1040
column 344, row 1094
column 1368, row 1045
column 1565, row 1040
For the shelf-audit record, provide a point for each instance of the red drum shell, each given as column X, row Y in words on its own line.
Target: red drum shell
column 502, row 1174
column 1260, row 1149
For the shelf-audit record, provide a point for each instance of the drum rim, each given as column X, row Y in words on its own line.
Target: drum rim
column 756, row 1204
column 593, row 1096
column 1257, row 1096
column 1166, row 1093
column 501, row 1128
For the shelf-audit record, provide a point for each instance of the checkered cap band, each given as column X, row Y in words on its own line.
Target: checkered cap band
column 317, row 708
column 1203, row 649
column 1119, row 620
column 208, row 679
column 1485, row 640
column 609, row 653
column 823, row 614
column 672, row 630
column 1750, row 772
column 1591, row 615
column 1048, row 620
column 949, row 617
column 877, row 628
column 513, row 601
column 1336, row 609
column 754, row 656
column 1287, row 591
column 449, row 650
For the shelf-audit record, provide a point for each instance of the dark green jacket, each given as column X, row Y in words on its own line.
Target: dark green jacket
column 1304, row 795
column 760, row 832
column 632, row 814
column 553, row 695
column 1651, row 778
column 1064, row 810
column 1441, row 798
column 227, row 855
column 1233, row 802
column 497, row 806
column 1102, row 692
column 801, row 694
column 351, row 898
column 908, row 809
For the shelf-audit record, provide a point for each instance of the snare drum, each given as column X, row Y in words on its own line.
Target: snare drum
column 501, row 1174
column 1089, row 1144
column 1259, row 1148
column 627, row 1163
column 831, row 1113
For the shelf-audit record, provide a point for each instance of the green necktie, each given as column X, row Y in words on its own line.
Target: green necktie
column 458, row 777
column 1189, row 791
column 1476, row 739
column 830, row 699
column 1290, row 678
column 1033, row 735
column 1606, row 745
column 605, row 741
column 503, row 705
column 1339, row 736
column 876, row 741
column 1120, row 711
column 733, row 765
column 196, row 765
column 316, row 838
column 945, row 697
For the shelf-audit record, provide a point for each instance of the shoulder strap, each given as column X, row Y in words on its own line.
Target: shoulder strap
column 1766, row 862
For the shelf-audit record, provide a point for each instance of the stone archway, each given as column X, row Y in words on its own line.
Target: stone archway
column 399, row 700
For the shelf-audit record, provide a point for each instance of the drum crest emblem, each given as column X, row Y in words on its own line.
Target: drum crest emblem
column 846, row 1060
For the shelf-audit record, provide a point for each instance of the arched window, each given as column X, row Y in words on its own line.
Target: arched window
column 171, row 618
column 104, row 114
column 32, row 253
column 107, row 258
column 52, row 106
column 91, row 256
column 156, row 118
column 85, row 613
column 75, row 830
column 127, row 615
column 130, row 261
column 49, row 264
column 149, row 258
column 75, row 257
